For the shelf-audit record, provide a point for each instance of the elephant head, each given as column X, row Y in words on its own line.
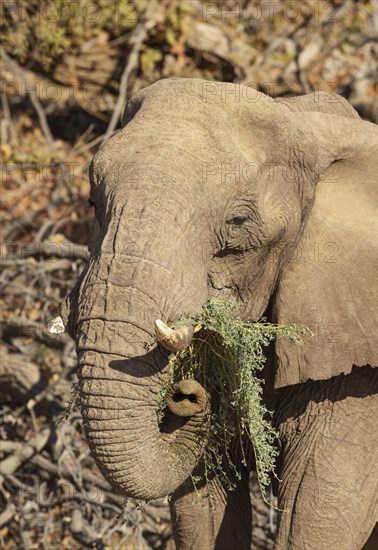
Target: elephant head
column 216, row 190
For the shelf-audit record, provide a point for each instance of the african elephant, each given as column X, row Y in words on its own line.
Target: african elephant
column 216, row 190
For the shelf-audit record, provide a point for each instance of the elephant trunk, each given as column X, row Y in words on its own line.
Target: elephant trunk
column 142, row 451
column 141, row 455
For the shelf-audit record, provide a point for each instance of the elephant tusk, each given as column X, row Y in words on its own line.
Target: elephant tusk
column 56, row 326
column 173, row 340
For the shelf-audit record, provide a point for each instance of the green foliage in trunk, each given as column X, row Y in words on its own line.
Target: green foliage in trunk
column 227, row 356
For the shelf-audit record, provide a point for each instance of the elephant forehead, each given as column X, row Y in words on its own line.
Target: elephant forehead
column 182, row 93
column 174, row 139
column 177, row 136
column 159, row 154
column 177, row 178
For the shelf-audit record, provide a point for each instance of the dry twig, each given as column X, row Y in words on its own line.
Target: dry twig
column 148, row 19
column 12, row 328
column 15, row 67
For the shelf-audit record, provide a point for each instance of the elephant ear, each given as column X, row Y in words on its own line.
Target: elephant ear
column 329, row 283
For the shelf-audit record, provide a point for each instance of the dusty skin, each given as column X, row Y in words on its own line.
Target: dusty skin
column 215, row 190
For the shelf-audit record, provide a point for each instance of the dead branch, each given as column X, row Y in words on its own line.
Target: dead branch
column 102, row 486
column 12, row 328
column 9, row 130
column 148, row 20
column 10, row 446
column 10, row 464
column 49, row 249
column 8, row 514
column 17, row 70
column 19, row 378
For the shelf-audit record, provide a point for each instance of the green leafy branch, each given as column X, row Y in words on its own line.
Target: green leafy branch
column 227, row 356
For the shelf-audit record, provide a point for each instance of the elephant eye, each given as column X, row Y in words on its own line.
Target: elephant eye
column 238, row 220
column 91, row 203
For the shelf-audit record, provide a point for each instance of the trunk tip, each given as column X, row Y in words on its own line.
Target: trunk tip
column 187, row 398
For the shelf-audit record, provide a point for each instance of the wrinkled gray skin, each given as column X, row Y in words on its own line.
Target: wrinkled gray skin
column 212, row 189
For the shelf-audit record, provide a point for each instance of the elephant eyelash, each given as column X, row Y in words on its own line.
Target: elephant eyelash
column 91, row 203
